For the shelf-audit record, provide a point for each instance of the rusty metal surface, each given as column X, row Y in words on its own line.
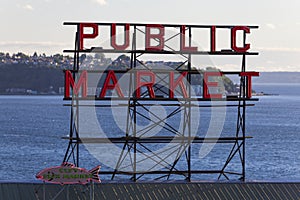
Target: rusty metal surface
column 153, row 190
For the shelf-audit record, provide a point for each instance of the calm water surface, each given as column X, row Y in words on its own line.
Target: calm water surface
column 32, row 127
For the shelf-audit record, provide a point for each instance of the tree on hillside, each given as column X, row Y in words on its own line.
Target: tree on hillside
column 99, row 56
column 58, row 58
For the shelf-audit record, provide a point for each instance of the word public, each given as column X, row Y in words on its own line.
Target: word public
column 157, row 32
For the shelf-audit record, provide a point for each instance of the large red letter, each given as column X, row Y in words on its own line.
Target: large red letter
column 69, row 81
column 82, row 35
column 233, row 39
column 207, row 84
column 158, row 37
column 115, row 85
column 126, row 37
column 179, row 82
column 249, row 81
column 213, row 39
column 149, row 85
column 182, row 41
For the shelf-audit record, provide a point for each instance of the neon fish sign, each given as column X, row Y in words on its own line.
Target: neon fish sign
column 68, row 173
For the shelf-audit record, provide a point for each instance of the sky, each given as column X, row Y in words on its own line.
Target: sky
column 37, row 25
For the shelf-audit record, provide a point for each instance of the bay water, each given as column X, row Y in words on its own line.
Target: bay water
column 31, row 128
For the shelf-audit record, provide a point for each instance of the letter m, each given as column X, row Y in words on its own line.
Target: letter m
column 70, row 83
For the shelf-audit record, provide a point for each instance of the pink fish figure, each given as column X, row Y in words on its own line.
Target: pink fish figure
column 68, row 173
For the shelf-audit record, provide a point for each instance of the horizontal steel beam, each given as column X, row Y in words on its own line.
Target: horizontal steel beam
column 95, row 98
column 100, row 50
column 160, row 139
column 165, row 25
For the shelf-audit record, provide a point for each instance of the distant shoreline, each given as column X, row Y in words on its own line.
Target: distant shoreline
column 264, row 94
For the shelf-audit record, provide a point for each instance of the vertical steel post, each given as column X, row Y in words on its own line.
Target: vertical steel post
column 244, row 113
column 74, row 123
column 134, row 111
column 77, row 102
column 189, row 68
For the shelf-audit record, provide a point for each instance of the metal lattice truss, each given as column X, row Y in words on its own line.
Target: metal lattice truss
column 169, row 152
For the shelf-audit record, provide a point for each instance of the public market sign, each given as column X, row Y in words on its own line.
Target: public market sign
column 156, row 39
